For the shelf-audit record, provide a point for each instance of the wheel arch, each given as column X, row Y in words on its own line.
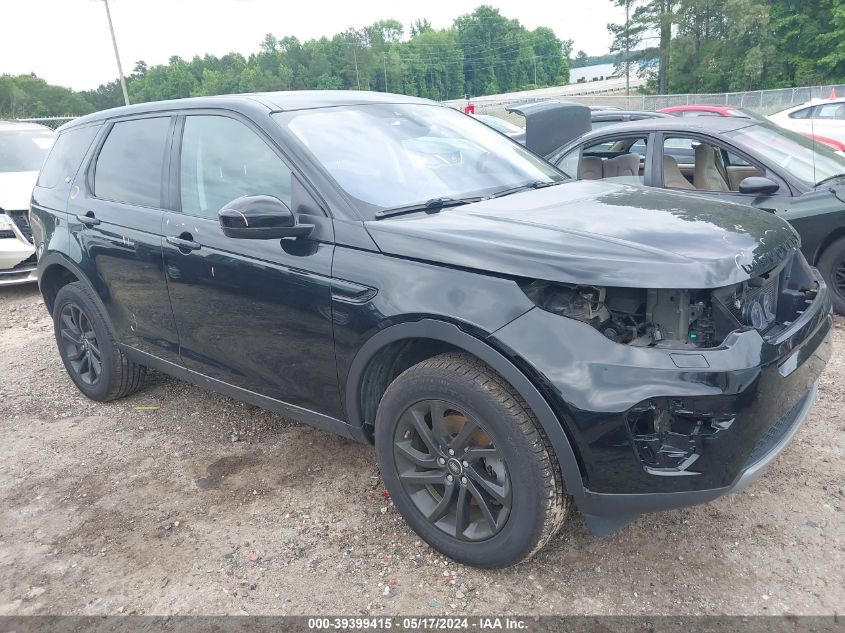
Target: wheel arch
column 54, row 272
column 365, row 382
column 829, row 239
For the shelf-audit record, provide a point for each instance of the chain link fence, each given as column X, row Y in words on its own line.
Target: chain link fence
column 51, row 122
column 760, row 101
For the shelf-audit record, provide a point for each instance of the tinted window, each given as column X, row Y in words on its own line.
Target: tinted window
column 803, row 113
column 66, row 155
column 24, row 150
column 222, row 159
column 129, row 168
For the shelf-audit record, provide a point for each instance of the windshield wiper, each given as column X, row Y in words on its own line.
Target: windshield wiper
column 435, row 204
column 534, row 184
column 828, row 179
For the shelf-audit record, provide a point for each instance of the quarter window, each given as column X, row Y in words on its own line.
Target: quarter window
column 130, row 165
column 222, row 159
column 66, row 155
column 803, row 113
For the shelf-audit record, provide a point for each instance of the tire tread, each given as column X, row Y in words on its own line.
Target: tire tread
column 557, row 502
column 128, row 375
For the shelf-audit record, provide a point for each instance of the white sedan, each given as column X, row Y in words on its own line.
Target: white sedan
column 23, row 148
column 817, row 118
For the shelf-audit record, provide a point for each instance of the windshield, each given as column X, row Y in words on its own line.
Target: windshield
column 24, row 150
column 394, row 155
column 807, row 161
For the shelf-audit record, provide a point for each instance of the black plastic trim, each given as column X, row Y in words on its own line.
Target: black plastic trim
column 311, row 418
column 452, row 334
column 606, row 512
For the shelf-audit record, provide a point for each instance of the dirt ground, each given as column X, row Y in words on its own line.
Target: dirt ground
column 180, row 501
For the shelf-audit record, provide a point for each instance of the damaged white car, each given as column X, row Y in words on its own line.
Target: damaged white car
column 23, row 148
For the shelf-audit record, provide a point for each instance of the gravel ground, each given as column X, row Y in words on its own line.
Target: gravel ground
column 180, row 501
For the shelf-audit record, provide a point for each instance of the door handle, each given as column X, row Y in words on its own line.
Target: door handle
column 88, row 219
column 184, row 244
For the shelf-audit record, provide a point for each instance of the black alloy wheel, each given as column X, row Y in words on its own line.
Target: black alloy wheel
column 452, row 471
column 466, row 462
column 88, row 348
column 80, row 344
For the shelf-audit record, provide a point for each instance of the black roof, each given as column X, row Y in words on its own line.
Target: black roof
column 710, row 124
column 269, row 101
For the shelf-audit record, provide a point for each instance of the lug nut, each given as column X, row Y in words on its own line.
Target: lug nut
column 441, row 461
column 451, row 451
column 449, row 478
column 465, row 464
column 464, row 481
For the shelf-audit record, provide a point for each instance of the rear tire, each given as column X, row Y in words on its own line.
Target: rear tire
column 467, row 463
column 88, row 348
column 832, row 267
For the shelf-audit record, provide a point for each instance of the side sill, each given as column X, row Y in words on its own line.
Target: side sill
column 300, row 414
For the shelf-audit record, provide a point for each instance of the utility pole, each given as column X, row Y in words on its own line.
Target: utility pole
column 357, row 78
column 384, row 59
column 627, row 48
column 116, row 54
column 535, row 71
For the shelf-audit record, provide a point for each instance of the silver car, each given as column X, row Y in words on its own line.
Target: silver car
column 23, row 148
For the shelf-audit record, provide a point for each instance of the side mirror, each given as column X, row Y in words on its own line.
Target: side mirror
column 260, row 218
column 758, row 185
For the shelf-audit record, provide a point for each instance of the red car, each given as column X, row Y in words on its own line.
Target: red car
column 833, row 144
column 704, row 110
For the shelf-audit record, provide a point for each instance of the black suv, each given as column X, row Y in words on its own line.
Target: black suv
column 389, row 269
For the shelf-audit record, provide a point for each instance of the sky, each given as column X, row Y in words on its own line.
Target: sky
column 67, row 42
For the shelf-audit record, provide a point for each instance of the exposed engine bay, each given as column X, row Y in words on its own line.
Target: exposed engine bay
column 684, row 318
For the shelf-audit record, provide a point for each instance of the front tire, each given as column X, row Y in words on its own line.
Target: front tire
column 467, row 463
column 832, row 267
column 88, row 349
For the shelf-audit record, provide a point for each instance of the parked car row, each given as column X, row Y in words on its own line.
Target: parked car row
column 715, row 151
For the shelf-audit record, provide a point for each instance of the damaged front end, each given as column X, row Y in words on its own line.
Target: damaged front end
column 685, row 319
column 17, row 253
column 680, row 395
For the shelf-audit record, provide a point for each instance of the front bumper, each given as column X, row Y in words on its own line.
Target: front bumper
column 17, row 262
column 749, row 396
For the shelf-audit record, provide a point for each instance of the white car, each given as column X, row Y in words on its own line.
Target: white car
column 23, row 148
column 817, row 118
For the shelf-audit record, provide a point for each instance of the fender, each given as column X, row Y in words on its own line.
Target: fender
column 54, row 258
column 452, row 334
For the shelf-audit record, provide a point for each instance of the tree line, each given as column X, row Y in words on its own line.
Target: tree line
column 483, row 52
column 704, row 46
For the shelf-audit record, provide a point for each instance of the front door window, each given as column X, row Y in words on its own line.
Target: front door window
column 223, row 159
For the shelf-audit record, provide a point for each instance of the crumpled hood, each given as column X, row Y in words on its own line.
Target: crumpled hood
column 597, row 233
column 16, row 189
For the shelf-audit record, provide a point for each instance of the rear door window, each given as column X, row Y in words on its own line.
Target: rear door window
column 131, row 162
column 831, row 111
